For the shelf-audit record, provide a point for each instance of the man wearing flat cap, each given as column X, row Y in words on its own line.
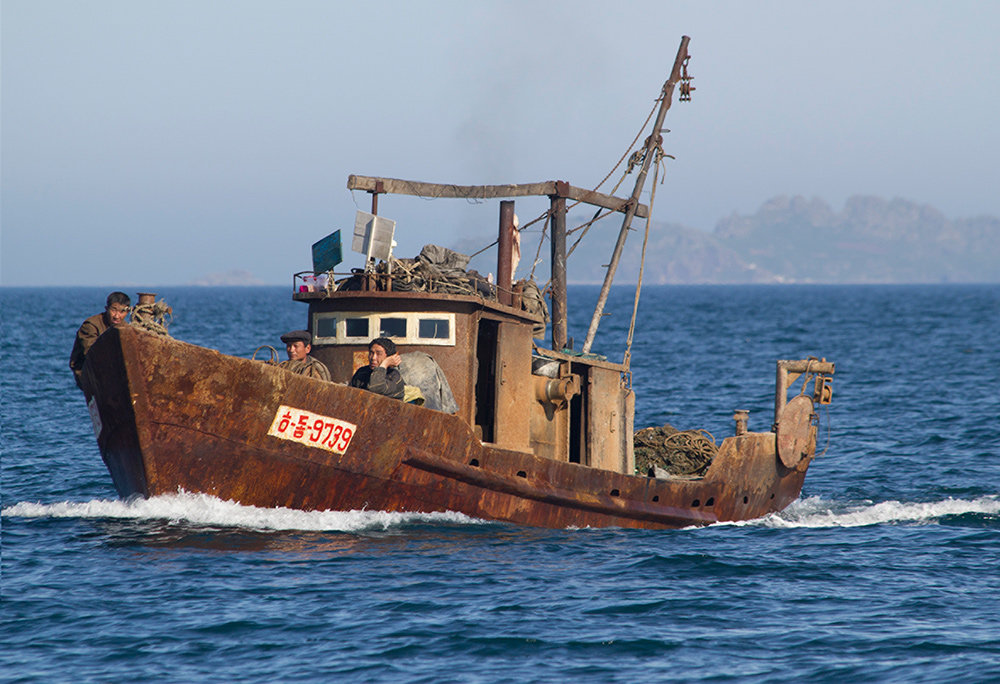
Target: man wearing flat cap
column 298, row 344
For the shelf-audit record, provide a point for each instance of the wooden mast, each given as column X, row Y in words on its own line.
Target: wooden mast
column 558, row 261
column 651, row 144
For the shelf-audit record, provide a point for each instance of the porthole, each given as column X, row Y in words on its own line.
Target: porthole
column 711, row 501
column 656, row 497
column 474, row 463
column 521, row 473
column 696, row 503
column 614, row 492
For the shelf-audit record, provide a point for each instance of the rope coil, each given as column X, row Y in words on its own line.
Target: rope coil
column 153, row 317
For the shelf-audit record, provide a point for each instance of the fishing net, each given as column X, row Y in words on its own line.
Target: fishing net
column 679, row 452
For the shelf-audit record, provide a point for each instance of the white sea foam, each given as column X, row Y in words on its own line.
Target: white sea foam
column 818, row 512
column 200, row 509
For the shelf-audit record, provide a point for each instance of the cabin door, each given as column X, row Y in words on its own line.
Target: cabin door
column 486, row 390
column 504, row 391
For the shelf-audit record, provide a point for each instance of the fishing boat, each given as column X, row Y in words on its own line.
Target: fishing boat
column 514, row 429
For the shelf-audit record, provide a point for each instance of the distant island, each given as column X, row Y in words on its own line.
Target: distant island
column 799, row 240
column 788, row 240
column 234, row 277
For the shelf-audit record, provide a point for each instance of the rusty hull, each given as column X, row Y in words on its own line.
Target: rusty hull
column 204, row 429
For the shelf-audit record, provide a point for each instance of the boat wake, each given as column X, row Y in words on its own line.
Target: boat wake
column 203, row 510
column 207, row 511
column 818, row 512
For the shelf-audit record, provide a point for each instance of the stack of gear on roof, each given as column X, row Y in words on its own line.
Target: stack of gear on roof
column 439, row 269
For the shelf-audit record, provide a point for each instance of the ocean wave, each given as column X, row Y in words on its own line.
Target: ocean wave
column 204, row 510
column 819, row 512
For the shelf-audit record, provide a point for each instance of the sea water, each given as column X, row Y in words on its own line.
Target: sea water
column 886, row 569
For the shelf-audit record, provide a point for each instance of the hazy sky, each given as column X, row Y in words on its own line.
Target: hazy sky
column 154, row 143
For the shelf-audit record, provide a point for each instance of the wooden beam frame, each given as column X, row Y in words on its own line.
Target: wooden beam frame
column 396, row 186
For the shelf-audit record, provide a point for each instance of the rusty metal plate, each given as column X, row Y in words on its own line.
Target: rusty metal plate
column 210, row 428
column 793, row 433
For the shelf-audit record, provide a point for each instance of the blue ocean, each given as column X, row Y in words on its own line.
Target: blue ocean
column 886, row 569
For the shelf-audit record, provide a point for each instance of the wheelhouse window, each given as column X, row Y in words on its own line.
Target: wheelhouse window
column 392, row 327
column 356, row 327
column 326, row 327
column 402, row 327
column 434, row 328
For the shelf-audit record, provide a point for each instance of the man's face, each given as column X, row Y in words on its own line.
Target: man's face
column 376, row 355
column 117, row 313
column 297, row 350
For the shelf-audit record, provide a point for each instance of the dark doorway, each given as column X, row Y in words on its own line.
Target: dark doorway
column 486, row 360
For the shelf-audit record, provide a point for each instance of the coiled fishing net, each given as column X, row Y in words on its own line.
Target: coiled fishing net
column 679, row 452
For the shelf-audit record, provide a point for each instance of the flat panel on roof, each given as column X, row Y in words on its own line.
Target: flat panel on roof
column 373, row 235
column 327, row 252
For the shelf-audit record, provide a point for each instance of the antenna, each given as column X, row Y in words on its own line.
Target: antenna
column 373, row 238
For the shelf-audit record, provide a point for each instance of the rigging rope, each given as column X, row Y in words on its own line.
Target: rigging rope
column 541, row 241
column 614, row 168
column 638, row 135
column 657, row 161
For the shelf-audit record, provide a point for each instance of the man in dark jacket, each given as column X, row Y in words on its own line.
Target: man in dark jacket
column 116, row 309
column 381, row 375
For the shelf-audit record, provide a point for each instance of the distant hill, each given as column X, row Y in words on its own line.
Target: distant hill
column 234, row 277
column 795, row 240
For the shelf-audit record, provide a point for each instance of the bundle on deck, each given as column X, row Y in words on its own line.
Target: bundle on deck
column 678, row 452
